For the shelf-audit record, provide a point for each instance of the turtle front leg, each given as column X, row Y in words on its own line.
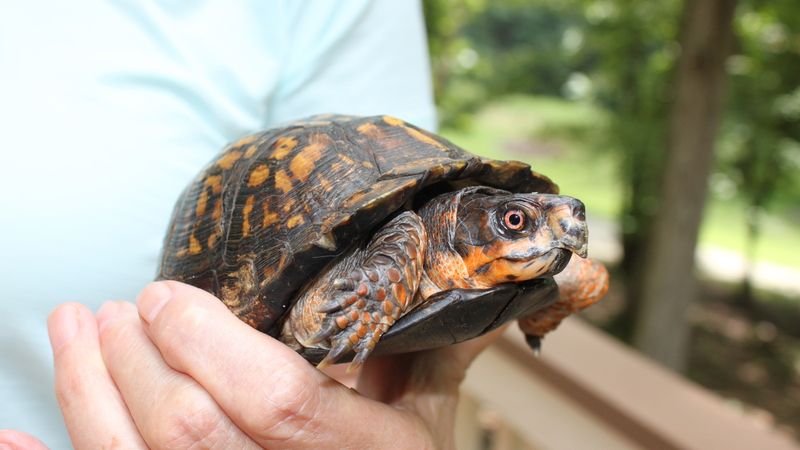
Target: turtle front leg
column 363, row 295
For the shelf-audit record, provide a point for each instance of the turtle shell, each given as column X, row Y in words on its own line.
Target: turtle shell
column 274, row 208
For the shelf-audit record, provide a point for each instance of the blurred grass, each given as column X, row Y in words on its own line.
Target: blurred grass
column 724, row 226
column 563, row 140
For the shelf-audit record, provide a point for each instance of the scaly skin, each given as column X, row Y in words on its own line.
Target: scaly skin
column 472, row 238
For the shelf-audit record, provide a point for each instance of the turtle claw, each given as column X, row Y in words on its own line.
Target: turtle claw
column 337, row 303
column 535, row 343
column 359, row 336
column 339, row 349
column 359, row 359
column 344, row 284
column 328, row 329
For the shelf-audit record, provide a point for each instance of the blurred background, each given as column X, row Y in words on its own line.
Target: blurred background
column 678, row 124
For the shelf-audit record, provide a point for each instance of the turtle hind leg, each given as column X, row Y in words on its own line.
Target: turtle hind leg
column 362, row 305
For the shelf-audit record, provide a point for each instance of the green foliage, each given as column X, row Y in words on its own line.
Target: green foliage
column 614, row 52
column 617, row 57
column 523, row 47
column 620, row 55
column 481, row 50
column 634, row 44
column 760, row 155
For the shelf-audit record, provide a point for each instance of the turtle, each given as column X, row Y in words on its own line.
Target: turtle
column 343, row 235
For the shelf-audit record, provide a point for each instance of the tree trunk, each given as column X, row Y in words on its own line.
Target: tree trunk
column 668, row 283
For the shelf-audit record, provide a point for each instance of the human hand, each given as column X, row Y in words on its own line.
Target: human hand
column 183, row 371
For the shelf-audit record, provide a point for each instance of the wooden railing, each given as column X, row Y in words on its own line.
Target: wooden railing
column 587, row 391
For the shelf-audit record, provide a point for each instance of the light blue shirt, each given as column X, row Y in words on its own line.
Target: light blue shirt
column 109, row 108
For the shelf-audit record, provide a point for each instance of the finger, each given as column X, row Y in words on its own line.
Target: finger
column 169, row 408
column 269, row 391
column 17, row 440
column 95, row 415
column 342, row 373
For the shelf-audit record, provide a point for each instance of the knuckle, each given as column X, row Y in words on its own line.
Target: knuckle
column 70, row 390
column 181, row 328
column 182, row 422
column 118, row 342
column 118, row 334
column 288, row 409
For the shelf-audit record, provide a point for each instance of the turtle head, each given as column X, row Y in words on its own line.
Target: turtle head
column 504, row 237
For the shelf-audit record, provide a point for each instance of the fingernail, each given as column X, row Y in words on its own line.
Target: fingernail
column 105, row 315
column 152, row 299
column 63, row 326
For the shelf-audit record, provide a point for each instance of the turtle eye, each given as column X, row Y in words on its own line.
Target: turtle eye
column 514, row 219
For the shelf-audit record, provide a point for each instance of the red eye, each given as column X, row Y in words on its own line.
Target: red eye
column 514, row 219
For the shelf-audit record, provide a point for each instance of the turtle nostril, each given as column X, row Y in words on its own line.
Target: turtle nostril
column 579, row 212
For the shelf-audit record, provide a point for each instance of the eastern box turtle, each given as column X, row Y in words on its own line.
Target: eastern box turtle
column 330, row 232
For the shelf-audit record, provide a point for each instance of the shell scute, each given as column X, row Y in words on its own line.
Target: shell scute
column 274, row 208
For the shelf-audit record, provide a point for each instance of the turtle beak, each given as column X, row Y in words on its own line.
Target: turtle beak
column 566, row 217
